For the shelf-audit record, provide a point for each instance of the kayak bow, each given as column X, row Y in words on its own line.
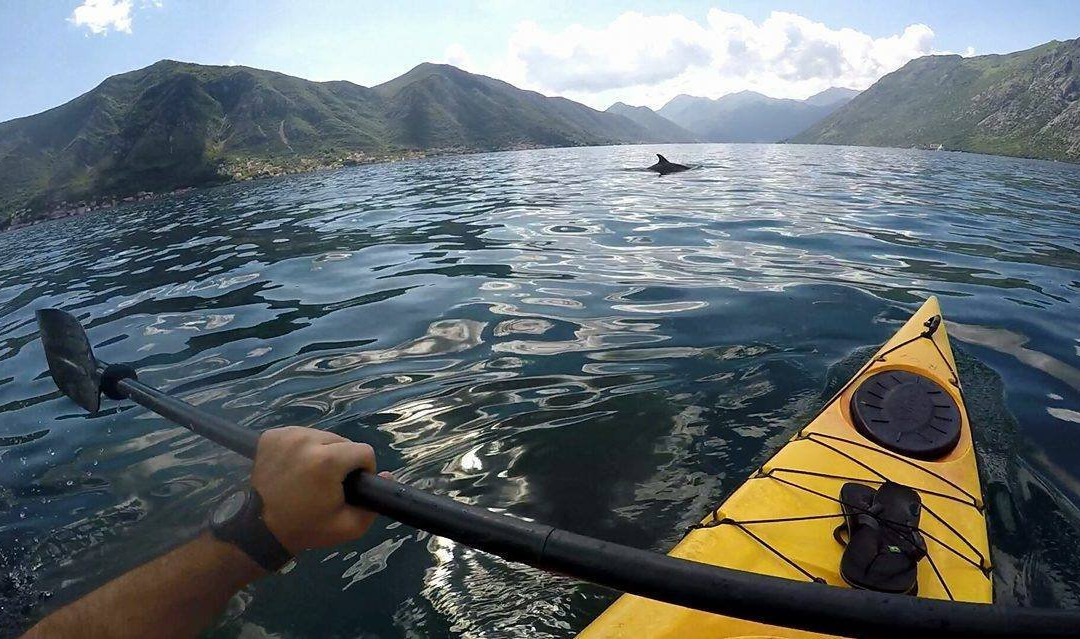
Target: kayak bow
column 900, row 419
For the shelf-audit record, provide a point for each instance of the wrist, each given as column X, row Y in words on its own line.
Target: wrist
column 235, row 567
column 238, row 521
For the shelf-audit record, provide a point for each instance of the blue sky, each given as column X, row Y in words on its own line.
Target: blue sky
column 596, row 52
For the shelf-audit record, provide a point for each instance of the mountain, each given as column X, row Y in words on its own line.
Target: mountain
column 174, row 124
column 440, row 106
column 833, row 96
column 1025, row 103
column 657, row 125
column 168, row 125
column 747, row 116
column 691, row 112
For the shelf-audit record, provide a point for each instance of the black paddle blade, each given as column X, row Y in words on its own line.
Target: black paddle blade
column 71, row 361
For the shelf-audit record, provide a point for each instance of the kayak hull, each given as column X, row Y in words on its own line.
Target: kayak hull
column 781, row 521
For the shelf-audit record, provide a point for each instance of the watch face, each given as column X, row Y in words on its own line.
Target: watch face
column 229, row 508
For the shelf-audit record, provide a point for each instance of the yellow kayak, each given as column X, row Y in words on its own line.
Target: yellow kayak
column 897, row 431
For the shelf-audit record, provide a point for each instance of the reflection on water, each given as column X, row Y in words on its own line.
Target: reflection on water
column 541, row 333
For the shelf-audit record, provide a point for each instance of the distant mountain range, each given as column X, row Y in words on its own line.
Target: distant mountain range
column 752, row 117
column 173, row 125
column 656, row 124
column 1025, row 103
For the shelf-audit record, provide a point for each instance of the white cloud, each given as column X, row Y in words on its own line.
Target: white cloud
column 99, row 16
column 456, row 55
column 648, row 60
column 632, row 50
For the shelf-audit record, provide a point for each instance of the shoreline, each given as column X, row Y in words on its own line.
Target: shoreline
column 303, row 166
column 233, row 172
column 263, row 169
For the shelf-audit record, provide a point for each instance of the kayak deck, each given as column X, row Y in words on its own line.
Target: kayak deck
column 781, row 520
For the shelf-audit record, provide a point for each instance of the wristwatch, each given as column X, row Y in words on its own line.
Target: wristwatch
column 237, row 520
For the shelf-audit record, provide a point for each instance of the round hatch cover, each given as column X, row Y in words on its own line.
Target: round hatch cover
column 907, row 413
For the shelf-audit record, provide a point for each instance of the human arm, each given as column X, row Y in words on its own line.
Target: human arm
column 298, row 474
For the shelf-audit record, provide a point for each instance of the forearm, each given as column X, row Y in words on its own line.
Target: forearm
column 297, row 478
column 176, row 595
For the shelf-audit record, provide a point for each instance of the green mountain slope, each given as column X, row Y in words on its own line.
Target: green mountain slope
column 747, row 116
column 440, row 106
column 175, row 124
column 657, row 125
column 1025, row 103
column 172, row 125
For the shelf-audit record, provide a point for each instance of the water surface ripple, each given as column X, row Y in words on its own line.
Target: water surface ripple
column 544, row 333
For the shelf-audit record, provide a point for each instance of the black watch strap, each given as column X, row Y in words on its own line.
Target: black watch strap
column 238, row 521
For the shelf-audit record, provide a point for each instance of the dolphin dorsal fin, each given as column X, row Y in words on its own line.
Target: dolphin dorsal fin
column 662, row 158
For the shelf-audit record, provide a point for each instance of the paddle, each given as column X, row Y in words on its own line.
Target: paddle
column 772, row 600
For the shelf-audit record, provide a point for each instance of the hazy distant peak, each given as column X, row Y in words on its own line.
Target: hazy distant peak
column 832, row 95
column 622, row 106
column 750, row 116
column 684, row 98
column 657, row 125
column 743, row 98
column 746, row 93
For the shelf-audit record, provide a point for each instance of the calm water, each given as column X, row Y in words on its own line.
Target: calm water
column 543, row 332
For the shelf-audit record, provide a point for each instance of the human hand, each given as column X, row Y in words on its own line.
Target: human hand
column 298, row 473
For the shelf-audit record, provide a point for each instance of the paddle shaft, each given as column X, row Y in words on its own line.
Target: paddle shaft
column 220, row 431
column 770, row 600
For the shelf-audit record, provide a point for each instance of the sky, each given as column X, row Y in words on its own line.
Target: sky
column 597, row 52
